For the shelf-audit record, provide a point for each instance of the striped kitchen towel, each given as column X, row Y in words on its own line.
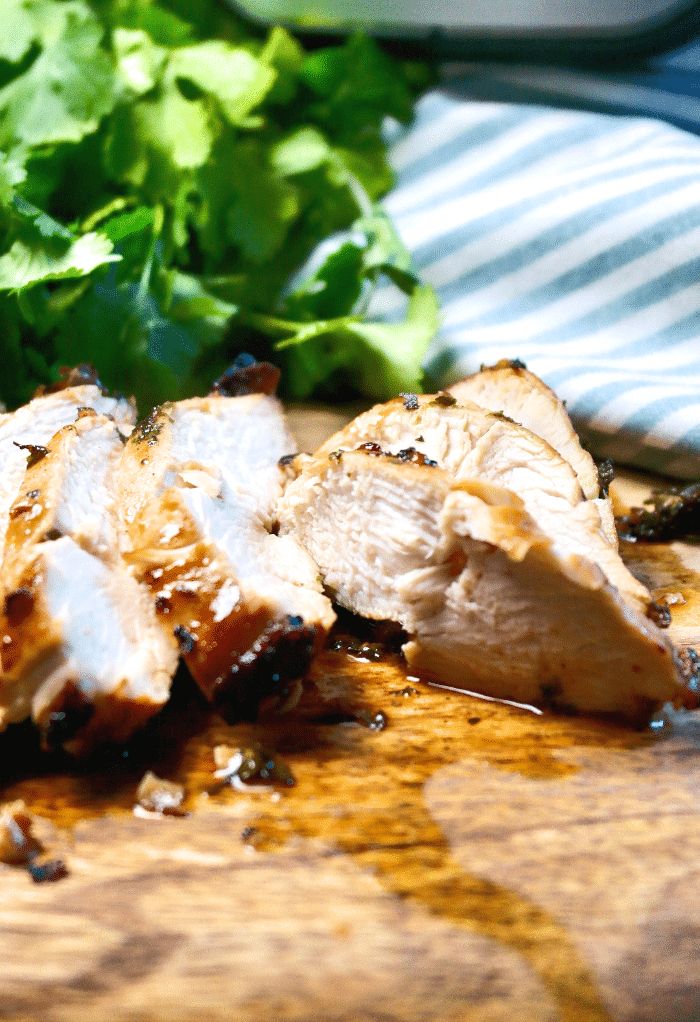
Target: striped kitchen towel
column 570, row 240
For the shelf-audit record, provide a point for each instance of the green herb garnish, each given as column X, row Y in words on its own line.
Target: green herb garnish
column 165, row 172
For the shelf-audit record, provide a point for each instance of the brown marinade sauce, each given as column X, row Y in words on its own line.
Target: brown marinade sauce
column 247, row 376
column 36, row 452
column 281, row 654
column 674, row 514
column 72, row 376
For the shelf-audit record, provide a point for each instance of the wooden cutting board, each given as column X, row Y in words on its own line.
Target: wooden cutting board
column 469, row 860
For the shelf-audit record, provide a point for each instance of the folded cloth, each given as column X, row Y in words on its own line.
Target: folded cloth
column 569, row 240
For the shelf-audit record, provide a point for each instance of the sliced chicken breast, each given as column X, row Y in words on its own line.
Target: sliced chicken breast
column 489, row 601
column 512, row 389
column 26, row 432
column 471, row 443
column 199, row 484
column 82, row 651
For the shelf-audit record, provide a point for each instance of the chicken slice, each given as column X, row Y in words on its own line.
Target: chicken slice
column 199, row 485
column 471, row 443
column 490, row 603
column 27, row 431
column 82, row 651
column 512, row 389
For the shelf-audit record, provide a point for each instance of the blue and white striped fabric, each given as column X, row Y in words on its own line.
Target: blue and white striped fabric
column 570, row 240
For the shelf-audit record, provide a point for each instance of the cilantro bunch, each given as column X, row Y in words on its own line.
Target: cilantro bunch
column 165, row 172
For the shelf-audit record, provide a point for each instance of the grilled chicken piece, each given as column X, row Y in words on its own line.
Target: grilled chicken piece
column 82, row 650
column 490, row 602
column 471, row 443
column 199, row 484
column 28, row 430
column 512, row 389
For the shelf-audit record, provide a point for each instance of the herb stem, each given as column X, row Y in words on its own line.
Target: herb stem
column 269, row 324
column 359, row 194
column 300, row 331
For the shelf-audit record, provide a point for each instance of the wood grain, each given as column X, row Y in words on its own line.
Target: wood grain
column 471, row 860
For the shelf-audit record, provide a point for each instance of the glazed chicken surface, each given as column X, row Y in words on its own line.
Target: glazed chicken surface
column 33, row 425
column 82, row 651
column 199, row 484
column 126, row 550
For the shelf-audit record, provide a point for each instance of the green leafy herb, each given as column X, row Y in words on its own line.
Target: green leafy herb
column 168, row 180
